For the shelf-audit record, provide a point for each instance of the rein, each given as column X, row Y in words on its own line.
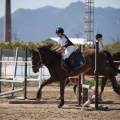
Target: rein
column 40, row 63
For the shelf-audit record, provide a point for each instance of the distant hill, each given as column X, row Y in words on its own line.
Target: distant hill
column 40, row 24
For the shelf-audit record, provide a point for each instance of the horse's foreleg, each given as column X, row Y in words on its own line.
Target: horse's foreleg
column 39, row 93
column 62, row 86
column 103, row 83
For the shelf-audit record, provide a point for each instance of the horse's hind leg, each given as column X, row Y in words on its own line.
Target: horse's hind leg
column 115, row 84
column 75, row 87
column 39, row 94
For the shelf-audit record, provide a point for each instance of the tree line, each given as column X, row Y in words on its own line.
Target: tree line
column 34, row 45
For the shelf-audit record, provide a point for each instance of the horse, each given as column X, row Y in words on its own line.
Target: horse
column 74, row 81
column 52, row 60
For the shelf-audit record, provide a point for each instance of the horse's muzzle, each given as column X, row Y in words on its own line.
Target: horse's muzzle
column 35, row 69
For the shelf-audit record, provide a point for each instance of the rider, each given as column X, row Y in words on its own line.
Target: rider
column 64, row 42
column 99, row 38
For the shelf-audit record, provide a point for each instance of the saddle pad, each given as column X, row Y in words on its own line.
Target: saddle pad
column 79, row 60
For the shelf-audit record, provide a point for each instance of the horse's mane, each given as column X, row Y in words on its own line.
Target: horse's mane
column 57, row 55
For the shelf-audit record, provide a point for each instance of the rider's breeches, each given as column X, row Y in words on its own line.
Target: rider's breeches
column 68, row 51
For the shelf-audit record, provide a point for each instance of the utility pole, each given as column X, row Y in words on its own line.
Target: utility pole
column 89, row 21
column 7, row 22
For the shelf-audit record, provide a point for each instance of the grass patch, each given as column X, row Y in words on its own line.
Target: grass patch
column 91, row 83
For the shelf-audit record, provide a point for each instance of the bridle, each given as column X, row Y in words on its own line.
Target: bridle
column 40, row 63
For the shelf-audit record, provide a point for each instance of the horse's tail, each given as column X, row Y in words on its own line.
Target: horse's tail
column 110, row 61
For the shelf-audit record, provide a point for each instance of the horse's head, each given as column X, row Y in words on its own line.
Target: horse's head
column 36, row 62
column 39, row 57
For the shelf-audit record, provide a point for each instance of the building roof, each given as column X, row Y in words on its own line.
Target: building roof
column 80, row 41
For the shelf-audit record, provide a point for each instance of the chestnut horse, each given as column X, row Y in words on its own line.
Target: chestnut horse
column 52, row 60
column 74, row 81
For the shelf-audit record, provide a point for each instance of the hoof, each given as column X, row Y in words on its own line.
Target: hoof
column 38, row 98
column 100, row 99
column 60, row 105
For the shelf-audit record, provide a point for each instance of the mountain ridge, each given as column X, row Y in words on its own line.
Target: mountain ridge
column 39, row 24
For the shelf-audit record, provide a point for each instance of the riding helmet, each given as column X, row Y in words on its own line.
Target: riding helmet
column 98, row 36
column 59, row 30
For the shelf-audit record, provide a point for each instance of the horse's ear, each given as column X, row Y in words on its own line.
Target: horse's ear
column 49, row 46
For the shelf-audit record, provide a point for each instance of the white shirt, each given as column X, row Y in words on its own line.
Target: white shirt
column 100, row 46
column 62, row 40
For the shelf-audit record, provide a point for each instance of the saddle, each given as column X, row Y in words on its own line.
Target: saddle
column 72, row 56
column 76, row 59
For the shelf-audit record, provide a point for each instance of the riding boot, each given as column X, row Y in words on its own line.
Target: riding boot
column 67, row 62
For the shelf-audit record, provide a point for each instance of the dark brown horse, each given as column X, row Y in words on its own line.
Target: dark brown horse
column 52, row 60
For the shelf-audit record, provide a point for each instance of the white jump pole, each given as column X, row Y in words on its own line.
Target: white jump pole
column 12, row 91
column 15, row 68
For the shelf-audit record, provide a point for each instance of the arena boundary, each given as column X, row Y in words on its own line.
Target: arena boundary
column 14, row 79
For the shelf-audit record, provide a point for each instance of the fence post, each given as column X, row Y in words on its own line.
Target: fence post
column 25, row 75
column 0, row 66
column 96, row 73
column 79, row 86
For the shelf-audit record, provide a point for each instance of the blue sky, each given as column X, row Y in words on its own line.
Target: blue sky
column 34, row 4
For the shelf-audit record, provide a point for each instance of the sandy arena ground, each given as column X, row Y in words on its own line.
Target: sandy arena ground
column 50, row 111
